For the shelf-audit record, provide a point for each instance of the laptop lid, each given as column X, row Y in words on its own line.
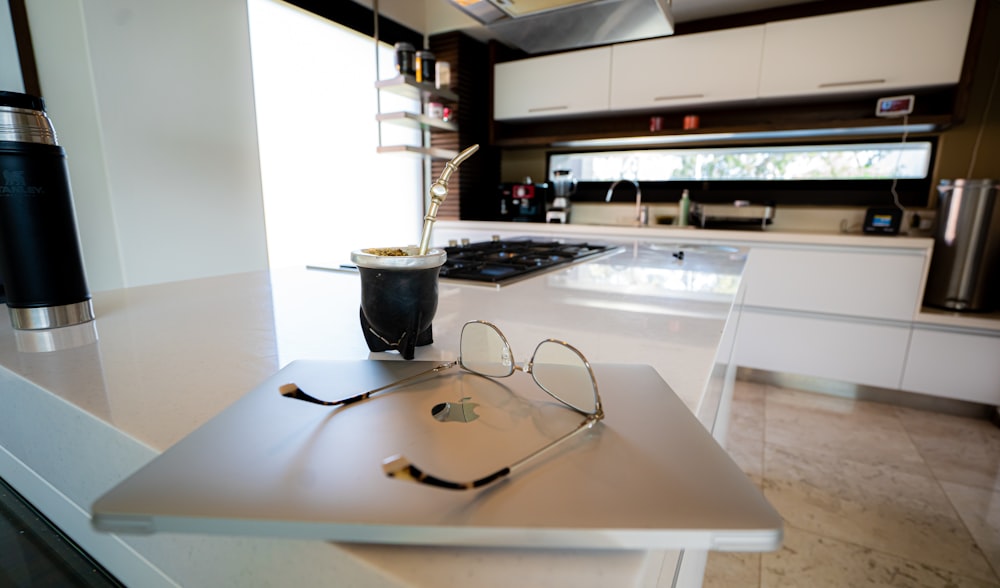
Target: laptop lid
column 648, row 476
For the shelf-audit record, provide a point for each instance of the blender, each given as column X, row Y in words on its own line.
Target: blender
column 563, row 185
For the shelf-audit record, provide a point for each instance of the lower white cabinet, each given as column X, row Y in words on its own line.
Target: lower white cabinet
column 862, row 282
column 832, row 347
column 954, row 364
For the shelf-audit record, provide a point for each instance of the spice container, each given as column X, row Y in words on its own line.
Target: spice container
column 405, row 58
column 443, row 74
column 425, row 67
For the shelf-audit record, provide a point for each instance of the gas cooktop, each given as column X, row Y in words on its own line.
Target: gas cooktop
column 502, row 261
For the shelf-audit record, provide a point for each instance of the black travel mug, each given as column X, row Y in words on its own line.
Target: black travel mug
column 40, row 259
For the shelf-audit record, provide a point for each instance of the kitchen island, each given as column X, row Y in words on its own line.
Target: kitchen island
column 834, row 312
column 85, row 406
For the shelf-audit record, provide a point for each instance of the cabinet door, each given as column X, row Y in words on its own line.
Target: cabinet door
column 691, row 69
column 566, row 83
column 889, row 48
column 855, row 283
column 841, row 349
column 954, row 365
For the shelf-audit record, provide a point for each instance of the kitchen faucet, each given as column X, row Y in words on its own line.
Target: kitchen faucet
column 641, row 212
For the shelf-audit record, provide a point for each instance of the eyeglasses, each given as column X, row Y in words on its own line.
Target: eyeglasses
column 556, row 367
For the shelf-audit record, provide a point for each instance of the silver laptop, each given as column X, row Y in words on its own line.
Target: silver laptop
column 648, row 476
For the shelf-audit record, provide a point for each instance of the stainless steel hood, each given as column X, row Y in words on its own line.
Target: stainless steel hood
column 539, row 26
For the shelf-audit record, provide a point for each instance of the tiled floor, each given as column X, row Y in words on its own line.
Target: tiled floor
column 871, row 494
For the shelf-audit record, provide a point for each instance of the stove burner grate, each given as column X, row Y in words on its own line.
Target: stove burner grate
column 501, row 261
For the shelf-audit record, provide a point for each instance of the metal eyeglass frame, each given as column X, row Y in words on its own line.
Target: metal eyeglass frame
column 398, row 467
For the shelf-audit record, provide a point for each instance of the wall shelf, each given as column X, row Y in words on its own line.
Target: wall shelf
column 432, row 152
column 417, row 121
column 407, row 85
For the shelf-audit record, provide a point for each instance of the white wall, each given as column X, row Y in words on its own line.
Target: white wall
column 10, row 67
column 153, row 102
column 327, row 191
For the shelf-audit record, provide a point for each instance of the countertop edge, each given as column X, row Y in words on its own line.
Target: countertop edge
column 713, row 235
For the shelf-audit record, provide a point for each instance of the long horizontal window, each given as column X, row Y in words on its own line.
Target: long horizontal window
column 799, row 162
column 827, row 174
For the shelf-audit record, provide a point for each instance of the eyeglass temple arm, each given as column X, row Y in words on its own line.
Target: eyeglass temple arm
column 400, row 468
column 292, row 390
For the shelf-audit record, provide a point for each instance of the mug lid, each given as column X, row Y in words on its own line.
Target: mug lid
column 18, row 100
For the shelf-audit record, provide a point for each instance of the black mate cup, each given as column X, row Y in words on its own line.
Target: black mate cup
column 399, row 297
column 40, row 258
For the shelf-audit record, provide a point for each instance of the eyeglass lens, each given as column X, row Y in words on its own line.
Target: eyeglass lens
column 557, row 368
column 562, row 372
column 484, row 351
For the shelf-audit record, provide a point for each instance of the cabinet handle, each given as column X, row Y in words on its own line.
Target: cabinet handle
column 853, row 83
column 677, row 97
column 545, row 108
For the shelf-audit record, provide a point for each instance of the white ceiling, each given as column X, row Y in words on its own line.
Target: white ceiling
column 688, row 10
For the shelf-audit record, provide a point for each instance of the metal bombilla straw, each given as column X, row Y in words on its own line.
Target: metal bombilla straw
column 438, row 192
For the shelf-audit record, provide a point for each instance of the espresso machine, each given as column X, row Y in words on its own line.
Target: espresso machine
column 563, row 185
column 523, row 202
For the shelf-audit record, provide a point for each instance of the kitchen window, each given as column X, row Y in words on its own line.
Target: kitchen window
column 869, row 173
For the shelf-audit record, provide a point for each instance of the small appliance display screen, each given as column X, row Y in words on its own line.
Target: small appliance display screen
column 894, row 106
column 882, row 221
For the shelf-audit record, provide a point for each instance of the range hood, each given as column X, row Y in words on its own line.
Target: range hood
column 539, row 26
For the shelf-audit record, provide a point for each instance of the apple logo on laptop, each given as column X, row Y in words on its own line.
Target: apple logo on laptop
column 462, row 411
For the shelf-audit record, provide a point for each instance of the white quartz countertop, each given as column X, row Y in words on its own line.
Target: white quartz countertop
column 159, row 361
column 167, row 357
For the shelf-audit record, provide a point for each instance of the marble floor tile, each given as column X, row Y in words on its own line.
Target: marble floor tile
column 852, row 429
column 980, row 511
column 745, row 440
column 808, row 559
column 881, row 508
column 728, row 570
column 872, row 494
column 960, row 450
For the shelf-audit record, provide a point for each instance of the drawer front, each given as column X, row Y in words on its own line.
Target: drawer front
column 950, row 364
column 850, row 351
column 865, row 284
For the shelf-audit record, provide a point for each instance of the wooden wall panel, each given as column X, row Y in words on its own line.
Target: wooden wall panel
column 472, row 193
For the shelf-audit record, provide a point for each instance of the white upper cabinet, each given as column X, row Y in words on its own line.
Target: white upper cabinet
column 887, row 49
column 711, row 67
column 904, row 46
column 553, row 85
